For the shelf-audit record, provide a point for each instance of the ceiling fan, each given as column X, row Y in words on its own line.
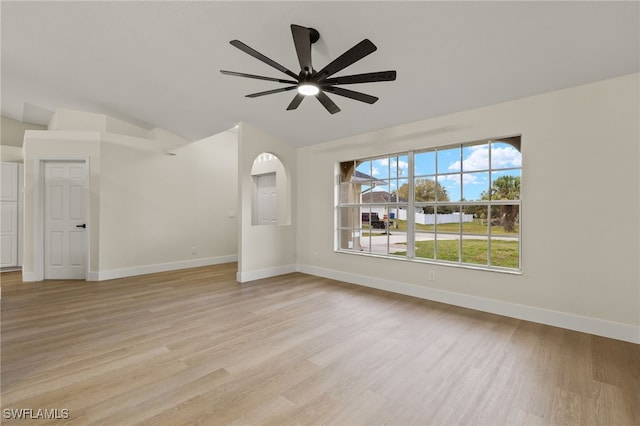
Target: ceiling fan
column 310, row 82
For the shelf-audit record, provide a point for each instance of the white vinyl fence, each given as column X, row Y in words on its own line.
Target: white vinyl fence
column 430, row 219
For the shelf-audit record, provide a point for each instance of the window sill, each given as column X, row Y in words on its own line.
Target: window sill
column 431, row 262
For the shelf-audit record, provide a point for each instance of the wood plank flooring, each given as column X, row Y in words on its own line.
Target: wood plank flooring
column 194, row 347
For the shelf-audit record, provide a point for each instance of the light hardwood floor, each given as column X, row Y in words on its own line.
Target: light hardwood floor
column 195, row 347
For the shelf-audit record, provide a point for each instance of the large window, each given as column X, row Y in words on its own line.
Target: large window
column 457, row 205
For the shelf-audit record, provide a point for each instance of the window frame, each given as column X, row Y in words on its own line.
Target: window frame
column 458, row 205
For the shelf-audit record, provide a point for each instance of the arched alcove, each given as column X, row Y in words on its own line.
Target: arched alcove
column 271, row 191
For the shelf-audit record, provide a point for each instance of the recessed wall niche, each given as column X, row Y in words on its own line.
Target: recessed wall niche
column 271, row 194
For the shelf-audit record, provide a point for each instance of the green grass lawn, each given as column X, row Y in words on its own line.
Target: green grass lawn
column 503, row 253
column 474, row 227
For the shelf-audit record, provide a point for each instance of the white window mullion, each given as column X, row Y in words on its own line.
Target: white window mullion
column 411, row 217
column 489, row 209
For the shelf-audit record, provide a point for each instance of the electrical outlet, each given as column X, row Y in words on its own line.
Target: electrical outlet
column 432, row 275
column 194, row 250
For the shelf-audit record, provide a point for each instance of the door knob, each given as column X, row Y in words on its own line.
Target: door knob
column 84, row 225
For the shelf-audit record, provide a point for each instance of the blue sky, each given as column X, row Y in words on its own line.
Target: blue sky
column 473, row 161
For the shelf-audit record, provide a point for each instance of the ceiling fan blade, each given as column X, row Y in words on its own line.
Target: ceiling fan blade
column 358, row 96
column 259, row 77
column 302, row 41
column 270, row 92
column 369, row 77
column 327, row 102
column 357, row 52
column 248, row 50
column 295, row 103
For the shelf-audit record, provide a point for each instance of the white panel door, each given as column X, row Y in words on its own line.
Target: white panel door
column 9, row 214
column 267, row 197
column 9, row 181
column 8, row 233
column 65, row 189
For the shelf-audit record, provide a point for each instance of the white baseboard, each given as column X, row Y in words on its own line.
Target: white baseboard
column 29, row 277
column 161, row 267
column 243, row 277
column 599, row 327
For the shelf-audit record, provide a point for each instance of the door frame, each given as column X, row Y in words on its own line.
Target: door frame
column 39, row 219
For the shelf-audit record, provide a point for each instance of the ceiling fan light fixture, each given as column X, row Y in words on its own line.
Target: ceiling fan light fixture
column 308, row 89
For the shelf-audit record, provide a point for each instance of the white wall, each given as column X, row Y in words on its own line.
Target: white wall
column 161, row 212
column 148, row 210
column 71, row 120
column 263, row 250
column 12, row 154
column 12, row 131
column 580, row 150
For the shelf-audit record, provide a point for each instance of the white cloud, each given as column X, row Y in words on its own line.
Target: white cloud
column 467, row 178
column 402, row 165
column 505, row 157
column 478, row 159
column 471, row 179
column 448, row 178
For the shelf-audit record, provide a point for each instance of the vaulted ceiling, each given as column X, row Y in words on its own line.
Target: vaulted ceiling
column 156, row 64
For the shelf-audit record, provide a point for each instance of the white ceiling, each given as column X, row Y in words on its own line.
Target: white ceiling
column 156, row 63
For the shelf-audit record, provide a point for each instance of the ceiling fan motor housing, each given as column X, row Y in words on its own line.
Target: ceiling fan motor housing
column 314, row 35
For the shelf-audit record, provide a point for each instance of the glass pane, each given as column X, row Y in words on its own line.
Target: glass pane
column 424, row 163
column 397, row 219
column 505, row 252
column 360, row 191
column 425, row 218
column 375, row 197
column 364, row 194
column 376, row 238
column 362, row 242
column 393, row 166
column 448, row 188
column 424, row 245
column 384, row 188
column 348, row 217
column 374, row 218
column 403, row 166
column 363, row 173
column 505, row 155
column 400, row 191
column 475, row 186
column 448, row 247
column 348, row 193
column 475, row 220
column 346, row 171
column 449, row 160
column 380, row 168
column 505, row 220
column 399, row 166
column 424, row 190
column 347, row 237
column 505, row 185
column 475, row 157
column 474, row 250
column 448, row 219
